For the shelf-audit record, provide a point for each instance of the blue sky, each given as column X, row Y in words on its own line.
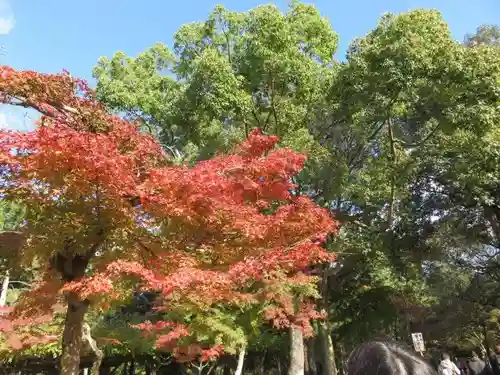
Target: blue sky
column 51, row 35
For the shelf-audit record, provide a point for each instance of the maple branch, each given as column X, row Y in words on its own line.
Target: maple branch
column 100, row 239
column 72, row 265
column 21, row 282
column 11, row 242
column 211, row 368
column 200, row 367
column 86, row 334
column 119, row 156
column 141, row 243
column 25, row 103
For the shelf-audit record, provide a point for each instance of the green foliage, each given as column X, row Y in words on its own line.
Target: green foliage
column 402, row 141
column 406, row 89
column 115, row 334
column 484, row 35
column 11, row 215
column 235, row 71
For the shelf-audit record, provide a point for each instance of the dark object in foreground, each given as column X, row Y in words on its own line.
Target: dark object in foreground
column 476, row 365
column 386, row 358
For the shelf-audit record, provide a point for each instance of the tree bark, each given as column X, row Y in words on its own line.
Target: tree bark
column 296, row 352
column 340, row 357
column 306, row 359
column 99, row 354
column 241, row 360
column 5, row 290
column 486, row 341
column 71, row 266
column 327, row 352
column 311, row 356
column 261, row 366
column 72, row 335
column 325, row 340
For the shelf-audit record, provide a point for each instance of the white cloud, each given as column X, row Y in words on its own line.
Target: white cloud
column 7, row 20
column 6, row 25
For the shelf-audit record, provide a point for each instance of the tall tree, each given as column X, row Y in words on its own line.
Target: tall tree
column 385, row 131
column 484, row 35
column 404, row 88
column 235, row 71
column 228, row 231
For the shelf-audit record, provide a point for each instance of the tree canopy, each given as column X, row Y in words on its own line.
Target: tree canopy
column 181, row 182
column 230, row 231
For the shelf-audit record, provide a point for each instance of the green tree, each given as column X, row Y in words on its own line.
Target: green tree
column 406, row 88
column 234, row 72
column 402, row 141
column 484, row 35
column 11, row 216
column 11, row 220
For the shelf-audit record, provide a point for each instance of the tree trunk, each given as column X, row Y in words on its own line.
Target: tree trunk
column 296, row 352
column 486, row 341
column 306, row 360
column 241, row 359
column 327, row 352
column 72, row 335
column 99, row 354
column 326, row 345
column 150, row 369
column 261, row 366
column 339, row 356
column 311, row 356
column 5, row 290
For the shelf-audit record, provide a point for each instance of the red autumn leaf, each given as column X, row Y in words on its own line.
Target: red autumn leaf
column 211, row 353
column 109, row 340
column 197, row 234
column 14, row 341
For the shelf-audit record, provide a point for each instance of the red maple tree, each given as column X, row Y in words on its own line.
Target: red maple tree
column 107, row 211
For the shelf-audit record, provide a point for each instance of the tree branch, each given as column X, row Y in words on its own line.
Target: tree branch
column 86, row 335
column 393, row 176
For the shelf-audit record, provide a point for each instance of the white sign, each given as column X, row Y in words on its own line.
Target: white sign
column 418, row 342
